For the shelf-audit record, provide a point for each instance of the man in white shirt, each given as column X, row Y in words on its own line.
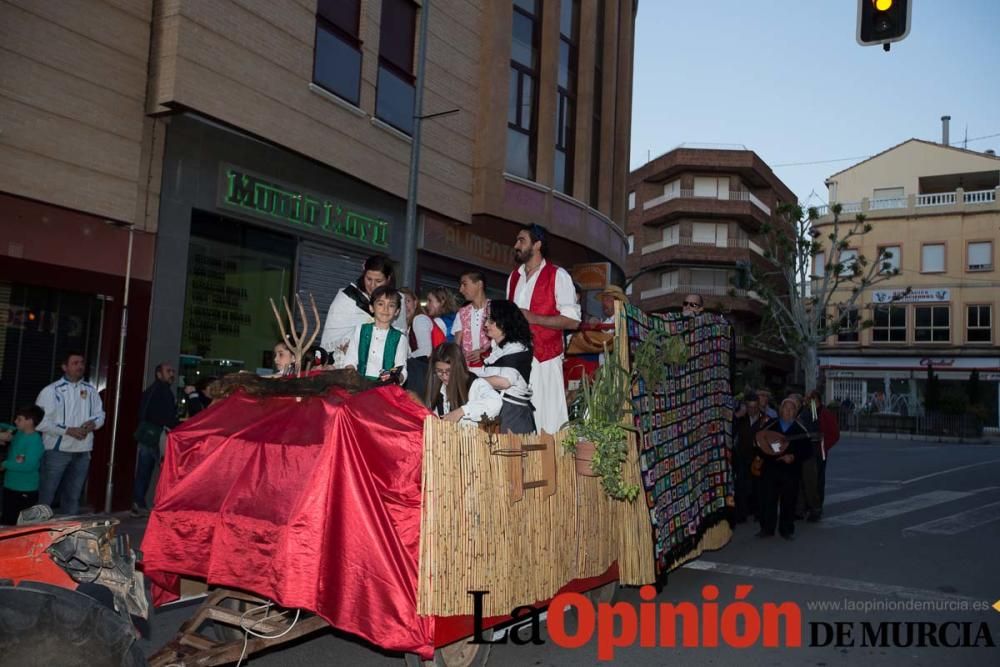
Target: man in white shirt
column 545, row 294
column 73, row 411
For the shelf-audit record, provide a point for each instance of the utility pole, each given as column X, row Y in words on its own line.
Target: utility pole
column 410, row 237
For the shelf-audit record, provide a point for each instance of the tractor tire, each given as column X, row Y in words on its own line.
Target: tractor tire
column 43, row 625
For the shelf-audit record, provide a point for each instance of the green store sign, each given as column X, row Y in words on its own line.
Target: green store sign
column 266, row 199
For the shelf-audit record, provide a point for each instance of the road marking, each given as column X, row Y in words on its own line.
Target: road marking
column 958, row 523
column 950, row 470
column 806, row 579
column 895, row 508
column 854, row 494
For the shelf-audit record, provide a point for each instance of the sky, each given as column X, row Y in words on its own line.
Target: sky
column 788, row 80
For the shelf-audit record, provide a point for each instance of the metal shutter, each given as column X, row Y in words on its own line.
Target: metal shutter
column 323, row 270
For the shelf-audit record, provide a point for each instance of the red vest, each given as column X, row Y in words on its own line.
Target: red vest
column 548, row 343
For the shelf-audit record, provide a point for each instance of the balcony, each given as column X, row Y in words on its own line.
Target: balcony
column 931, row 203
column 734, row 204
column 726, row 299
column 687, row 250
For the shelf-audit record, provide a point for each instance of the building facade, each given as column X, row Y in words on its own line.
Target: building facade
column 258, row 149
column 694, row 220
column 935, row 209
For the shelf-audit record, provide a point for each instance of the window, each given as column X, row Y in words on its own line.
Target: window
column 979, row 256
column 522, row 106
column 631, row 200
column 672, row 189
column 932, row 258
column 931, row 324
column 710, row 233
column 668, row 280
column 888, row 193
column 631, row 243
column 890, row 262
column 847, row 261
column 889, row 325
column 848, row 328
column 978, row 322
column 713, row 281
column 394, row 99
column 595, row 131
column 819, row 265
column 671, row 235
column 337, row 54
column 711, row 186
column 569, row 34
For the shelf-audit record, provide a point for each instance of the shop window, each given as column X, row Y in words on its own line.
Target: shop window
column 39, row 327
column 337, row 54
column 394, row 99
column 233, row 271
column 932, row 258
column 569, row 35
column 889, row 258
column 931, row 324
column 889, row 324
column 979, row 324
column 979, row 256
column 848, row 331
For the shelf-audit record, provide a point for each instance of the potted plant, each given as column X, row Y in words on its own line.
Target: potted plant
column 597, row 436
column 598, row 432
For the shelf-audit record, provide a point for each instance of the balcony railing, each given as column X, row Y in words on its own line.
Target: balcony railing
column 690, row 241
column 936, row 199
column 731, row 195
column 704, row 290
column 958, row 197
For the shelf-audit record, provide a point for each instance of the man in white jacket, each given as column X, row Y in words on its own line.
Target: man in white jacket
column 73, row 411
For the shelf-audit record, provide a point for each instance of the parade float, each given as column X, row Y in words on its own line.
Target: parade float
column 325, row 500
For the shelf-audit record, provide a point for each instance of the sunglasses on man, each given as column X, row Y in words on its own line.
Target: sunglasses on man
column 691, row 304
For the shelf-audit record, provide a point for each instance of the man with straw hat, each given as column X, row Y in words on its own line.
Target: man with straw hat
column 608, row 296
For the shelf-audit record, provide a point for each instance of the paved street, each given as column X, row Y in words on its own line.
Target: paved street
column 905, row 521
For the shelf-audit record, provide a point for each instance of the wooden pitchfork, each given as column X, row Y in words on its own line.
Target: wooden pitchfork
column 298, row 343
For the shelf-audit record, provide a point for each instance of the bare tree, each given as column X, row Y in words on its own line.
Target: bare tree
column 798, row 296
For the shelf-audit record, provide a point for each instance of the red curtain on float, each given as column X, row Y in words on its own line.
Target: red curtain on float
column 313, row 503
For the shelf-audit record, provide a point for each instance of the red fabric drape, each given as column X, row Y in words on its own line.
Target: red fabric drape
column 314, row 503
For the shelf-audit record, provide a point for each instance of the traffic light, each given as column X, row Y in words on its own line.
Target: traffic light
column 883, row 21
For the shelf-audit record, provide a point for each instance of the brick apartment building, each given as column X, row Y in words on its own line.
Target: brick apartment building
column 695, row 216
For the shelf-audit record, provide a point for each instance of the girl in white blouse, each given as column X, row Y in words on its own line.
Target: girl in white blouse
column 453, row 394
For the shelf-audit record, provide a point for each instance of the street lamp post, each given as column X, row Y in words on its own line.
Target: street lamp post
column 410, row 236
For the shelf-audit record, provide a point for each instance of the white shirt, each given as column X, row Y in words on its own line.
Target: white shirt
column 565, row 292
column 376, row 351
column 69, row 404
column 341, row 320
column 477, row 317
column 518, row 383
column 422, row 326
column 483, row 399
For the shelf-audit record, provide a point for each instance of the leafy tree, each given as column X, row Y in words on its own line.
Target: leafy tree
column 798, row 296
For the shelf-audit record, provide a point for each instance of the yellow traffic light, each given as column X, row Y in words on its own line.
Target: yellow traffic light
column 882, row 5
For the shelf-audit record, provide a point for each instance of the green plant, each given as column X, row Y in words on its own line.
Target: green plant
column 656, row 354
column 600, row 408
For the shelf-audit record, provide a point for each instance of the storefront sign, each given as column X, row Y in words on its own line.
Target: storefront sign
column 915, row 295
column 594, row 275
column 457, row 240
column 269, row 199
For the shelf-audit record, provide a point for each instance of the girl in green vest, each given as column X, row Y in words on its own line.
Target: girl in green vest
column 378, row 350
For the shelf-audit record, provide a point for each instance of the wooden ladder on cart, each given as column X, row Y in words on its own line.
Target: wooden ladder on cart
column 215, row 634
